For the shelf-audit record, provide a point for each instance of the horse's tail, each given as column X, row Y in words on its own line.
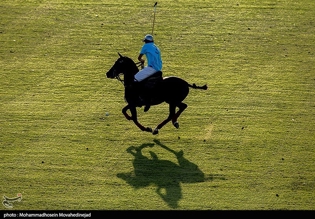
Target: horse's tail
column 204, row 87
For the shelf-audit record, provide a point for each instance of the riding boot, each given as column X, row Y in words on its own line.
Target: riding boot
column 147, row 103
column 148, row 99
column 147, row 107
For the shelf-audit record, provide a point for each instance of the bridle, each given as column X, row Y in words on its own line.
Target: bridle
column 138, row 64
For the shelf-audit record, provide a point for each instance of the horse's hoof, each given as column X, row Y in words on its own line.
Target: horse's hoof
column 148, row 129
column 156, row 131
column 176, row 124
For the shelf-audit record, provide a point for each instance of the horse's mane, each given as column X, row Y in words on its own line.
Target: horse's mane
column 131, row 64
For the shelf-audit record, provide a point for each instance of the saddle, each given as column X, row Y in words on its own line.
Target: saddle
column 151, row 81
column 147, row 87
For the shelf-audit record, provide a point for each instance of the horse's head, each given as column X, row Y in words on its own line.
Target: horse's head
column 123, row 65
column 117, row 68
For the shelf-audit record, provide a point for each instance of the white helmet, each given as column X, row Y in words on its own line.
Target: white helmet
column 148, row 37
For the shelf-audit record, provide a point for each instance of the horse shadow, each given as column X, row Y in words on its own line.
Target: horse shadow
column 166, row 175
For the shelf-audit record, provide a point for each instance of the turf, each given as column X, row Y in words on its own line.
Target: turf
column 247, row 143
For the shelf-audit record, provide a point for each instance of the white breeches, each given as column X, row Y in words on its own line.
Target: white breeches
column 144, row 73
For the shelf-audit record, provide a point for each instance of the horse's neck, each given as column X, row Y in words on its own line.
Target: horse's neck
column 130, row 73
column 128, row 78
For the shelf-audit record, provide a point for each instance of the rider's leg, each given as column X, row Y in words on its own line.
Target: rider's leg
column 144, row 73
column 140, row 76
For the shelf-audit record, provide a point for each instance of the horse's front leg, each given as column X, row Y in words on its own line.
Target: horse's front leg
column 134, row 118
column 124, row 111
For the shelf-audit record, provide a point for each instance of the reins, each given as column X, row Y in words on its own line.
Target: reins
column 138, row 64
column 119, row 79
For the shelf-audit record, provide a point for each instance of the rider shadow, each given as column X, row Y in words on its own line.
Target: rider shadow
column 165, row 174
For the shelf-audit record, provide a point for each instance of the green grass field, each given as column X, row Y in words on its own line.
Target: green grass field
column 246, row 143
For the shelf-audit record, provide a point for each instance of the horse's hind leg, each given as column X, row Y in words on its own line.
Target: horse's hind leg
column 182, row 107
column 172, row 108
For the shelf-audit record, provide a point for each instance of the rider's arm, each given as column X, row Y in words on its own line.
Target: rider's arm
column 140, row 58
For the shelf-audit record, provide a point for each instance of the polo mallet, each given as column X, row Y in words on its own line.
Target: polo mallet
column 154, row 17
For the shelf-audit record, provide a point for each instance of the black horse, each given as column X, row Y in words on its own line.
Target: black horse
column 172, row 90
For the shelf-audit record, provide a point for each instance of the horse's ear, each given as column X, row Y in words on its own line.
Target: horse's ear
column 120, row 55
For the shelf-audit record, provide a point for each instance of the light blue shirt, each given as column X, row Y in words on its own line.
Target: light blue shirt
column 153, row 54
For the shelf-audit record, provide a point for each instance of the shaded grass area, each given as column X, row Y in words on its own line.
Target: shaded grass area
column 246, row 143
